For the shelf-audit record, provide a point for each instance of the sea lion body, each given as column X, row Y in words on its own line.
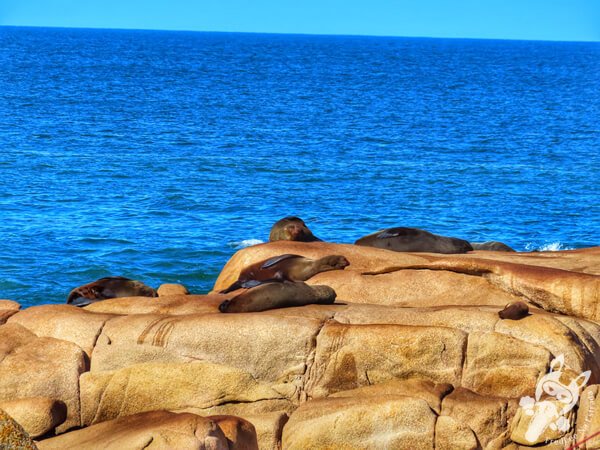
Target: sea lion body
column 402, row 239
column 494, row 246
column 291, row 229
column 278, row 295
column 514, row 311
column 109, row 287
column 286, row 268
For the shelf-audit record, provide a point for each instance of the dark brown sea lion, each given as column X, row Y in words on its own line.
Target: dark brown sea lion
column 278, row 295
column 494, row 246
column 402, row 239
column 291, row 229
column 286, row 268
column 109, row 287
column 514, row 311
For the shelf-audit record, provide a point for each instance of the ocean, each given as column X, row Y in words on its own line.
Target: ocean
column 155, row 155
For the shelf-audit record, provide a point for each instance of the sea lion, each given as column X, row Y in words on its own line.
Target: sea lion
column 494, row 246
column 514, row 311
column 402, row 239
column 291, row 229
column 278, row 295
column 108, row 287
column 285, row 268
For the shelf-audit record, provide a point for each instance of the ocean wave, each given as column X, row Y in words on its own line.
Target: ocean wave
column 245, row 243
column 547, row 247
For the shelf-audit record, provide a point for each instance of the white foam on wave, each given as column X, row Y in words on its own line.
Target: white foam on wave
column 547, row 247
column 245, row 243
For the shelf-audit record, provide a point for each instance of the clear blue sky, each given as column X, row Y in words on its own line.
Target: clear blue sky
column 502, row 19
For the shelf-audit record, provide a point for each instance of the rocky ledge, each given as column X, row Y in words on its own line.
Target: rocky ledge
column 412, row 355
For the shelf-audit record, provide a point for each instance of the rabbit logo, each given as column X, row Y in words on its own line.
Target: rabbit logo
column 559, row 399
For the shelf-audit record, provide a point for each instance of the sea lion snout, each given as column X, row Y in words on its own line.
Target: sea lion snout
column 224, row 305
column 336, row 261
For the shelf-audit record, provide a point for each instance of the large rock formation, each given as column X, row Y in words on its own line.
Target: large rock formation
column 412, row 355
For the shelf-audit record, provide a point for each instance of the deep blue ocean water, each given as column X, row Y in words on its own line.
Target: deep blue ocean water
column 154, row 155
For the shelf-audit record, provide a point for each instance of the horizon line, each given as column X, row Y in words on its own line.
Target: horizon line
column 296, row 34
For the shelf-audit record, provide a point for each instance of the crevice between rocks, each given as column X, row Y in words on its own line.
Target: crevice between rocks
column 100, row 330
column 310, row 360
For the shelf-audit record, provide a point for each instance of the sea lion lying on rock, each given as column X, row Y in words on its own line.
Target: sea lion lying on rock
column 291, row 229
column 514, row 311
column 494, row 246
column 402, row 239
column 285, row 268
column 278, row 295
column 109, row 287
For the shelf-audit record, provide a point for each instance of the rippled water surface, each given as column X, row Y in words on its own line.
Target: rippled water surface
column 153, row 155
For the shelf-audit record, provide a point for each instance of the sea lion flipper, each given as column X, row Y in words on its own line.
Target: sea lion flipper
column 81, row 301
column 252, row 283
column 272, row 261
column 233, row 287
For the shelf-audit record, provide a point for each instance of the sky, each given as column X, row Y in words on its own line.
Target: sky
column 558, row 20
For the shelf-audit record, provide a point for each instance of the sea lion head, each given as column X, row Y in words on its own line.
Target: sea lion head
column 90, row 292
column 142, row 290
column 291, row 228
column 224, row 305
column 334, row 262
column 461, row 246
column 514, row 311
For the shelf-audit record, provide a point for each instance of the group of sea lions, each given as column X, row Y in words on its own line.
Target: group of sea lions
column 399, row 239
column 279, row 281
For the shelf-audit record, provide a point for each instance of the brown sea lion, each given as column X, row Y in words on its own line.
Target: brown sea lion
column 286, row 268
column 494, row 246
column 514, row 311
column 108, row 287
column 291, row 229
column 402, row 239
column 278, row 295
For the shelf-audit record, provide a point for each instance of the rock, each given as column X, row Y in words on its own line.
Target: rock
column 555, row 290
column 554, row 282
column 393, row 421
column 154, row 429
column 144, row 387
column 426, row 390
column 584, row 260
column 487, row 416
column 452, row 435
column 350, row 356
column 588, row 418
column 499, row 365
column 169, row 304
column 401, row 287
column 9, row 304
column 465, row 318
column 37, row 415
column 32, row 366
column 12, row 435
column 240, row 433
column 65, row 322
column 269, row 428
column 172, row 289
column 272, row 348
column 7, row 309
column 541, row 425
column 360, row 258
